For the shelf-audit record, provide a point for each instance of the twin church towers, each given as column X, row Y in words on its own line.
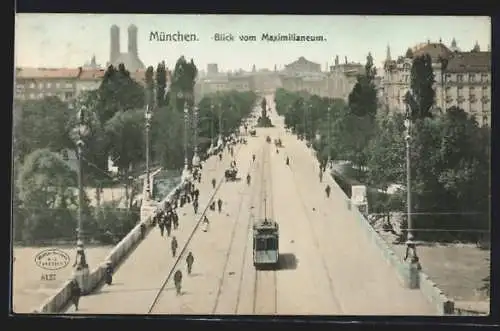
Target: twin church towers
column 131, row 58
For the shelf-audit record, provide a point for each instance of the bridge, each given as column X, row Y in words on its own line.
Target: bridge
column 329, row 264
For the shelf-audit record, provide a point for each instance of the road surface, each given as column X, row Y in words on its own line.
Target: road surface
column 328, row 266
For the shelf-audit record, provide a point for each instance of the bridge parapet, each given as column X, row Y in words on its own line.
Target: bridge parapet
column 409, row 277
column 60, row 300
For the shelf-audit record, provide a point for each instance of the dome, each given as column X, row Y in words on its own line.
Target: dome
column 435, row 50
column 131, row 62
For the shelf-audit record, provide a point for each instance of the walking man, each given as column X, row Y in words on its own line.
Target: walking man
column 195, row 206
column 76, row 292
column 174, row 246
column 189, row 262
column 178, row 281
column 219, row 205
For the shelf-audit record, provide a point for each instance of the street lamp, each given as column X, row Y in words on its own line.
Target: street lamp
column 211, row 128
column 410, row 244
column 196, row 158
column 147, row 117
column 81, row 271
column 219, row 143
column 186, row 125
column 329, row 137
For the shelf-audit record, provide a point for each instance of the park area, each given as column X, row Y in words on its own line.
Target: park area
column 459, row 269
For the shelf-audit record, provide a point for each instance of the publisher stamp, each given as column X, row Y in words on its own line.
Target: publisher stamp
column 52, row 259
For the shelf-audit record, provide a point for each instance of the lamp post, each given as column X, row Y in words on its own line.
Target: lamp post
column 329, row 137
column 220, row 126
column 410, row 244
column 196, row 158
column 211, row 128
column 147, row 116
column 81, row 271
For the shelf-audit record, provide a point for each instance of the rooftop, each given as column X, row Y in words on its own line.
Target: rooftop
column 91, row 74
column 470, row 62
column 47, row 73
column 301, row 60
column 435, row 50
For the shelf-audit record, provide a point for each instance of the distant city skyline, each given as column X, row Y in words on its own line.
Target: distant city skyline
column 70, row 40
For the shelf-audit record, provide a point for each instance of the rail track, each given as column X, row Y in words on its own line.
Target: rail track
column 252, row 189
column 190, row 237
column 265, row 292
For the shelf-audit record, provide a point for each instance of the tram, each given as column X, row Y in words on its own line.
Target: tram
column 265, row 243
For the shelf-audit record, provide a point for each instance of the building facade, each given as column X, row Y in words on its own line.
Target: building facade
column 462, row 79
column 342, row 78
column 35, row 83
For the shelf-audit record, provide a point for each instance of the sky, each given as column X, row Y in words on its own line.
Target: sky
column 70, row 40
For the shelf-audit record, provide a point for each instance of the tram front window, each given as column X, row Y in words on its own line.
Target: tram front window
column 265, row 244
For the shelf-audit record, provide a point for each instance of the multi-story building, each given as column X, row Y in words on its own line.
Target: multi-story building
column 88, row 80
column 342, row 78
column 35, row 83
column 301, row 65
column 462, row 79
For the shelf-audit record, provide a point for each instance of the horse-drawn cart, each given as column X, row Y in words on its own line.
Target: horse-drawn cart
column 230, row 174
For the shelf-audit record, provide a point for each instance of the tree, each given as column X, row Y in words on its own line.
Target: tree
column 161, row 84
column 150, row 85
column 41, row 124
column 118, row 92
column 363, row 97
column 126, row 135
column 46, row 184
column 422, row 87
column 183, row 81
column 168, row 128
column 96, row 142
column 386, row 157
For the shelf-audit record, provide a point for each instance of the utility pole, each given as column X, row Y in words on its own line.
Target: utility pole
column 329, row 136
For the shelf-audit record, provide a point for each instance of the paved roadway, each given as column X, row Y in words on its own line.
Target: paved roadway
column 137, row 281
column 328, row 265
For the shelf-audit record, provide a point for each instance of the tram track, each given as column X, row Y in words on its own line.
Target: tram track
column 252, row 189
column 315, row 238
column 265, row 292
column 190, row 237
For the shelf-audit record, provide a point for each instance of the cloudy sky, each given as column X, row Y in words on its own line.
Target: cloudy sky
column 69, row 40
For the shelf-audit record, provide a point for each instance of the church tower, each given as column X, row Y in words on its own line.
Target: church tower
column 115, row 43
column 132, row 40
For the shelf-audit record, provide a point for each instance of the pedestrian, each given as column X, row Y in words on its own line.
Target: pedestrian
column 143, row 231
column 220, row 156
column 161, row 225
column 174, row 246
column 206, row 224
column 189, row 262
column 178, row 281
column 175, row 219
column 219, row 204
column 76, row 292
column 327, row 191
column 195, row 206
column 411, row 250
column 213, row 182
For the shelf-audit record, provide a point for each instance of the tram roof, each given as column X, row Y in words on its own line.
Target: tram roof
column 265, row 224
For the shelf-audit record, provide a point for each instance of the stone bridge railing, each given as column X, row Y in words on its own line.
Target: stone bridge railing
column 117, row 255
column 408, row 276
